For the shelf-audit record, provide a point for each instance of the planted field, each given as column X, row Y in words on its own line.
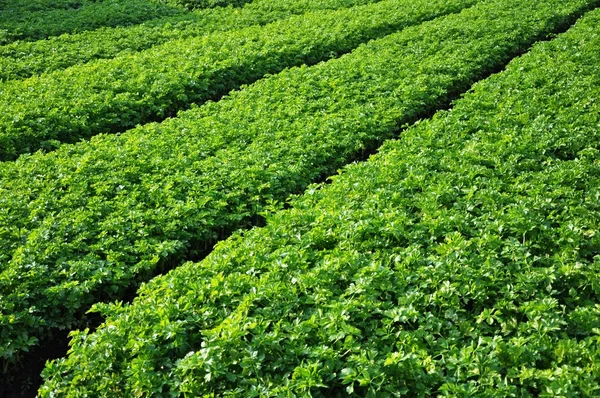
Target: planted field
column 120, row 206
column 113, row 95
column 444, row 264
column 461, row 260
column 24, row 59
column 32, row 23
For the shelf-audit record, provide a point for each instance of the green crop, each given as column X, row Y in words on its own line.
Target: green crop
column 81, row 224
column 24, row 59
column 461, row 261
column 195, row 4
column 14, row 6
column 117, row 94
column 19, row 23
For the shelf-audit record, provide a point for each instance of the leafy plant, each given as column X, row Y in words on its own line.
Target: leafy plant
column 82, row 224
column 29, row 23
column 195, row 4
column 24, row 59
column 462, row 260
column 117, row 94
column 7, row 6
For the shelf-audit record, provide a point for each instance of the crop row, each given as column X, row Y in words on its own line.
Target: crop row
column 80, row 224
column 24, row 59
column 196, row 4
column 38, row 5
column 462, row 260
column 113, row 95
column 35, row 25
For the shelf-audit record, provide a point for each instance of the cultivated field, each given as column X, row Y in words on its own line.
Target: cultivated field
column 313, row 198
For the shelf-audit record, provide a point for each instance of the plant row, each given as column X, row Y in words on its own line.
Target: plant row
column 24, row 59
column 35, row 25
column 462, row 260
column 117, row 94
column 38, row 5
column 81, row 224
column 196, row 4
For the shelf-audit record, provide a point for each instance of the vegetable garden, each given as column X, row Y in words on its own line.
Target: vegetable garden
column 403, row 199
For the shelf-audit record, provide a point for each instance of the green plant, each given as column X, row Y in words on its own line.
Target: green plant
column 20, row 23
column 24, row 59
column 195, row 4
column 117, row 94
column 462, row 260
column 82, row 224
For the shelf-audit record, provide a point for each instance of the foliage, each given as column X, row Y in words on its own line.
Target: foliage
column 38, row 5
column 462, row 260
column 22, row 24
column 24, row 59
column 117, row 94
column 81, row 224
column 195, row 4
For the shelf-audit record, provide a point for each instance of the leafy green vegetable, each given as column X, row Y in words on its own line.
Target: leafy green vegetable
column 22, row 24
column 38, row 5
column 24, row 59
column 83, row 223
column 117, row 94
column 462, row 260
column 194, row 4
